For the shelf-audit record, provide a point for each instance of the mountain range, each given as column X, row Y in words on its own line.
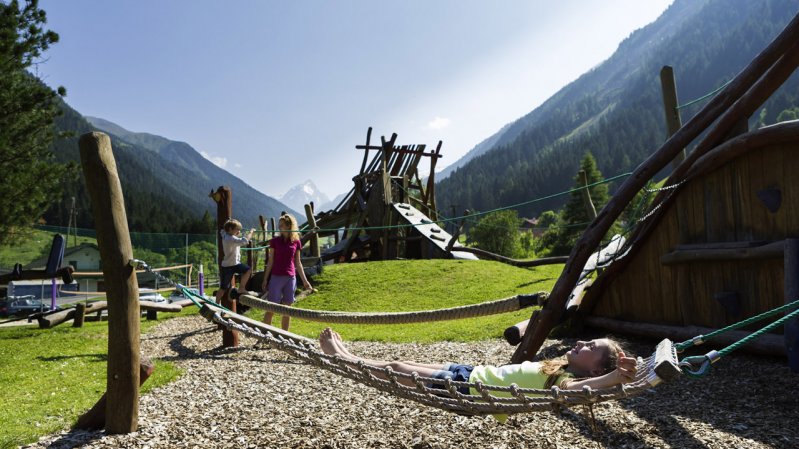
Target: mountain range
column 615, row 110
column 301, row 194
column 165, row 183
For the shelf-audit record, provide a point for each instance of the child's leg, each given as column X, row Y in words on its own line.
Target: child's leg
column 326, row 341
column 268, row 318
column 343, row 349
column 244, row 279
column 287, row 294
column 273, row 295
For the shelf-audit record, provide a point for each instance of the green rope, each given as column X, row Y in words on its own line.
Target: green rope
column 704, row 97
column 190, row 293
column 699, row 339
column 256, row 248
column 760, row 332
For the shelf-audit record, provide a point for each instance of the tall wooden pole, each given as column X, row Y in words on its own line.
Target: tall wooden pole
column 668, row 86
column 309, row 215
column 792, row 294
column 116, row 252
column 223, row 197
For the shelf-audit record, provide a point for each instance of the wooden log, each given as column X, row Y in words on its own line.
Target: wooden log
column 514, row 262
column 80, row 314
column 724, row 107
column 160, row 306
column 224, row 211
column 94, row 419
column 116, row 252
column 183, row 303
column 309, row 215
column 768, row 344
column 791, row 339
column 590, row 209
column 54, row 319
column 678, row 256
column 668, row 87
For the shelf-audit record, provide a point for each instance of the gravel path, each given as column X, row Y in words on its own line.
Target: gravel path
column 272, row 401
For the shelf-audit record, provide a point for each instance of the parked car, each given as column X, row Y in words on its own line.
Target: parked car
column 148, row 294
column 22, row 305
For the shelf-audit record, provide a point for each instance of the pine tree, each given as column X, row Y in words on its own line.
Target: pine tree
column 574, row 215
column 27, row 111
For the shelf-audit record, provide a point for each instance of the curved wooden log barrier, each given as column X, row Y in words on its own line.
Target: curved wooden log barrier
column 508, row 260
column 748, row 88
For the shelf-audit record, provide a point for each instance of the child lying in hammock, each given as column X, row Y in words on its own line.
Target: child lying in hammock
column 597, row 363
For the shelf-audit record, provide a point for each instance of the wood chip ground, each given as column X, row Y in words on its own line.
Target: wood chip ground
column 257, row 397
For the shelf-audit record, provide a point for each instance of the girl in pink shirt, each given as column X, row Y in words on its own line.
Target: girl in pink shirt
column 283, row 265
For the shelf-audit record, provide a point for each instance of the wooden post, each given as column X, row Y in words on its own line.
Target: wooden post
column 116, row 252
column 95, row 418
column 589, row 205
column 792, row 294
column 272, row 227
column 309, row 215
column 80, row 314
column 224, row 211
column 668, row 86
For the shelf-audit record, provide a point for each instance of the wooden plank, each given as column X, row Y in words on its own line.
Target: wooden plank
column 116, row 252
column 768, row 344
column 668, row 87
column 767, row 251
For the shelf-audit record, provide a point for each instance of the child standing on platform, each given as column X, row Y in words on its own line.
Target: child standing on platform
column 231, row 263
column 283, row 267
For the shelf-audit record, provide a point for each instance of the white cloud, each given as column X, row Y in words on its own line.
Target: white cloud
column 237, row 165
column 439, row 123
column 219, row 161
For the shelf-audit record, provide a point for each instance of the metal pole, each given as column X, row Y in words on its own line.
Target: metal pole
column 201, row 281
column 188, row 281
column 53, row 293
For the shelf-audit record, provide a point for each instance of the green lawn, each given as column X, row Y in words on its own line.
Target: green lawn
column 52, row 376
column 420, row 285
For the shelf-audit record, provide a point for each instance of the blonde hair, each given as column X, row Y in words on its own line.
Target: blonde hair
column 290, row 222
column 231, row 225
column 555, row 368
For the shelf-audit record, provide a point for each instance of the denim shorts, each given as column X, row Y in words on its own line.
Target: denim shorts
column 228, row 273
column 456, row 372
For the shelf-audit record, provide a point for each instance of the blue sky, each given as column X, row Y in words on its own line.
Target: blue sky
column 279, row 92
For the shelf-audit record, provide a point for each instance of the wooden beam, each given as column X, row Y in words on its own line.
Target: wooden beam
column 680, row 256
column 514, row 262
column 668, row 87
column 727, row 107
column 223, row 197
column 309, row 215
column 160, row 306
column 768, row 344
column 116, row 252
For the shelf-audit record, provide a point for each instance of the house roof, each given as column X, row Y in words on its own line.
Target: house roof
column 42, row 261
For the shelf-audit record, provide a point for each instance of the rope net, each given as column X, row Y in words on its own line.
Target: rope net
column 661, row 365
